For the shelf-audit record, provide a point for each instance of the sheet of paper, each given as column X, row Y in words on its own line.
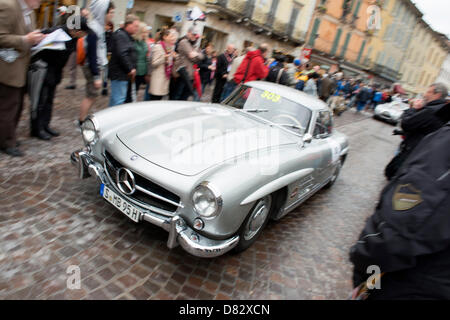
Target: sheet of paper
column 50, row 46
column 56, row 36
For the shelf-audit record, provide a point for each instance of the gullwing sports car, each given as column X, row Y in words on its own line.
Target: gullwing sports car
column 390, row 112
column 212, row 175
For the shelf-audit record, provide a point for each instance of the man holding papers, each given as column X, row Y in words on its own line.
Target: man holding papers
column 17, row 23
column 54, row 58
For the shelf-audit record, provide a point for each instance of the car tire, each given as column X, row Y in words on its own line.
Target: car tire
column 335, row 175
column 254, row 223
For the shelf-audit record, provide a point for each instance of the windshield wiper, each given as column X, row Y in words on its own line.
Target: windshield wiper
column 255, row 110
column 293, row 126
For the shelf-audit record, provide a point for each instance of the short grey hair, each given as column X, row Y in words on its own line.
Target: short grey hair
column 440, row 88
column 193, row 30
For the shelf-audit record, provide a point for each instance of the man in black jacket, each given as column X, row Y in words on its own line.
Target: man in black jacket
column 423, row 118
column 122, row 66
column 55, row 61
column 407, row 239
column 278, row 73
column 223, row 67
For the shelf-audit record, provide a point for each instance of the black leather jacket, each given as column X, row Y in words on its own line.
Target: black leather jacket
column 123, row 57
column 408, row 236
column 416, row 124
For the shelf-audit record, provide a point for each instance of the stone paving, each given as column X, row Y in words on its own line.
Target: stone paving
column 50, row 220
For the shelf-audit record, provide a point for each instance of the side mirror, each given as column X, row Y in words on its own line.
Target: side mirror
column 307, row 138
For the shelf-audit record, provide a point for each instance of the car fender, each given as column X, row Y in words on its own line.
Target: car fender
column 276, row 185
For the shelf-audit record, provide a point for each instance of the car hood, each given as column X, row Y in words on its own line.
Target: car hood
column 191, row 140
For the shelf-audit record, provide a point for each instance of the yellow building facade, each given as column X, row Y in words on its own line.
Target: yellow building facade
column 425, row 56
column 389, row 44
column 339, row 34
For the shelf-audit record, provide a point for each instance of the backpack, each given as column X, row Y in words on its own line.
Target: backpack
column 81, row 52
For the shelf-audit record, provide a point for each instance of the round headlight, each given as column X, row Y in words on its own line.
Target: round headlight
column 89, row 131
column 207, row 203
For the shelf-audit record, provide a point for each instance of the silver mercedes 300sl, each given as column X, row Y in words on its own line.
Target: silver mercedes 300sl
column 212, row 175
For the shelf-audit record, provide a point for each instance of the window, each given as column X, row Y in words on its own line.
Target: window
column 361, row 50
column 399, row 12
column 389, row 31
column 396, row 8
column 358, row 5
column 272, row 13
column 249, row 8
column 344, row 47
column 336, row 42
column 398, row 36
column 312, row 37
column 293, row 20
column 381, row 58
column 324, row 125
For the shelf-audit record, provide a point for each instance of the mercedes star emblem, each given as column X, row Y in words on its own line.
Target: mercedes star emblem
column 125, row 181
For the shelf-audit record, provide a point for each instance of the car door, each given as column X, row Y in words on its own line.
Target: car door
column 323, row 142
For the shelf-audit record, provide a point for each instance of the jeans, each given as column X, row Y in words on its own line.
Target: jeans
column 118, row 92
column 228, row 89
column 360, row 105
column 183, row 89
column 146, row 94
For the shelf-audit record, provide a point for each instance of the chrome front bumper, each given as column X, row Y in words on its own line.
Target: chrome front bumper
column 179, row 231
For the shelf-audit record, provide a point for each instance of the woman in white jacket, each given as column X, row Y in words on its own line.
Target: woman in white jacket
column 162, row 59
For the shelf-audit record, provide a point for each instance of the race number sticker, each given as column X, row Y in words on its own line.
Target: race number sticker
column 270, row 96
column 335, row 150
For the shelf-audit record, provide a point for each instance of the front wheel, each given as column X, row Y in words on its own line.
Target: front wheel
column 254, row 223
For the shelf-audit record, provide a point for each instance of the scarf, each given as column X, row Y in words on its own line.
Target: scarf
column 168, row 64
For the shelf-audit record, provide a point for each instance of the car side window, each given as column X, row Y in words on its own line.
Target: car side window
column 324, row 125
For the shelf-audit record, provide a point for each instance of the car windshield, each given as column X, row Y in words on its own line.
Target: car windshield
column 272, row 107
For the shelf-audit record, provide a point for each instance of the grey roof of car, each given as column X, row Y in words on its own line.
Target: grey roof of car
column 290, row 94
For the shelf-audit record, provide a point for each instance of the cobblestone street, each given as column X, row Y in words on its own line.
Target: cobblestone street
column 50, row 219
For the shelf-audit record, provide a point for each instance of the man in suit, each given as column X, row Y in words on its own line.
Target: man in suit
column 17, row 23
column 222, row 69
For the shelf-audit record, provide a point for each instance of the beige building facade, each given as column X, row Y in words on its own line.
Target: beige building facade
column 281, row 23
column 423, row 59
column 389, row 44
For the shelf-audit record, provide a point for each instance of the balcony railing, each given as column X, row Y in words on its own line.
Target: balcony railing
column 261, row 21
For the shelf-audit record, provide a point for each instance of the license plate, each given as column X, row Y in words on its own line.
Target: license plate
column 123, row 205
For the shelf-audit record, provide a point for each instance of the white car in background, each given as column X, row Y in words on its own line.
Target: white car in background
column 390, row 112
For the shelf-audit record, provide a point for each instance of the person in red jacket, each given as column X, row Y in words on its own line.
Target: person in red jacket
column 255, row 65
